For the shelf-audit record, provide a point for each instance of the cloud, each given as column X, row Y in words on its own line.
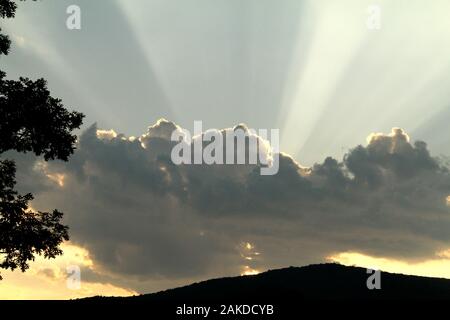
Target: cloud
column 144, row 219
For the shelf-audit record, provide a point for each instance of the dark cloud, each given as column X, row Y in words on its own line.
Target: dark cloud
column 142, row 216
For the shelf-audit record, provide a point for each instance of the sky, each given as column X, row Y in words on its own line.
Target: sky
column 356, row 184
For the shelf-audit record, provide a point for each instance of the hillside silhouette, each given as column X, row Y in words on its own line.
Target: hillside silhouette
column 314, row 282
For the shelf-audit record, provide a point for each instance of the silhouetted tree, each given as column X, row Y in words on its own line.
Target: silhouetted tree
column 30, row 120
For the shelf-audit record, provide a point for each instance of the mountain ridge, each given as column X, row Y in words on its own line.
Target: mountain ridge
column 330, row 281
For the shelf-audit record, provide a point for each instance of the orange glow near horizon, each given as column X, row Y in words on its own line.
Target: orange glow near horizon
column 47, row 279
column 438, row 267
column 249, row 271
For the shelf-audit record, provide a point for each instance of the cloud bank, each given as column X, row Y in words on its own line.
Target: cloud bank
column 144, row 219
